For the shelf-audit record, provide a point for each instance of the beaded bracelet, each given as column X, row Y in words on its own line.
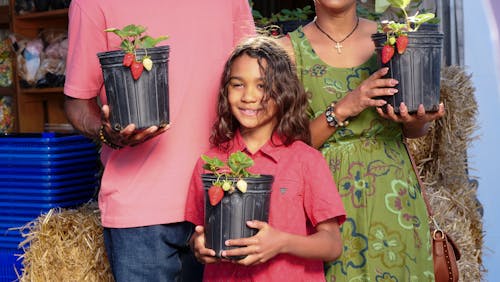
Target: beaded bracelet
column 106, row 141
column 331, row 118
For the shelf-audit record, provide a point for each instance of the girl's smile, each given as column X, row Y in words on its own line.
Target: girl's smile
column 247, row 97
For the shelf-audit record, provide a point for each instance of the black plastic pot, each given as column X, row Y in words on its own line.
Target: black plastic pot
column 143, row 102
column 418, row 69
column 227, row 219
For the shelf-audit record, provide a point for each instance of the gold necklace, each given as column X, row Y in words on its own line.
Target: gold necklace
column 338, row 44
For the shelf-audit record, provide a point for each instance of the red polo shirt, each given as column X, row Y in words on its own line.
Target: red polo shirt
column 302, row 196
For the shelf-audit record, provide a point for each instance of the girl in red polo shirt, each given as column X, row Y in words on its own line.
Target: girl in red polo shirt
column 262, row 112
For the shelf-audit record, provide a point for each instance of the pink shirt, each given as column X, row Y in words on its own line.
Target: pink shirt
column 147, row 184
column 303, row 195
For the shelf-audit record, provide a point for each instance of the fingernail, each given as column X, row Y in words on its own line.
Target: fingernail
column 393, row 90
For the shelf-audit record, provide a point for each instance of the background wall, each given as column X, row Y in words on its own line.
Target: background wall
column 481, row 60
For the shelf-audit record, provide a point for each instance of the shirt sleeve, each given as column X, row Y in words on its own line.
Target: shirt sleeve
column 243, row 23
column 321, row 198
column 195, row 204
column 86, row 37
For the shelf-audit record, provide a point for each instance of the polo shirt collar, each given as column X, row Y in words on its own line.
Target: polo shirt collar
column 272, row 148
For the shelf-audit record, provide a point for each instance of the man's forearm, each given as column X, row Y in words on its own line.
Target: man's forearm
column 84, row 115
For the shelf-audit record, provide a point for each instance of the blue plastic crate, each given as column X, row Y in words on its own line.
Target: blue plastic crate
column 14, row 171
column 49, row 177
column 11, row 242
column 92, row 185
column 43, row 139
column 42, row 149
column 16, row 157
column 54, row 163
column 47, row 184
column 36, row 209
column 11, row 199
column 45, row 150
column 9, row 263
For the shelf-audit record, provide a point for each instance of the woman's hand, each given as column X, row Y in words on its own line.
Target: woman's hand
column 414, row 125
column 128, row 136
column 197, row 243
column 260, row 248
column 366, row 94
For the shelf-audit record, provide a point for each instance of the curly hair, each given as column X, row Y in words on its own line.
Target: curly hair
column 280, row 84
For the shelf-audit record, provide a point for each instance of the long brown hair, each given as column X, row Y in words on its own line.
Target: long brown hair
column 280, row 84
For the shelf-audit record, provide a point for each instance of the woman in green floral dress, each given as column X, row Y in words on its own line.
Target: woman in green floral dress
column 386, row 236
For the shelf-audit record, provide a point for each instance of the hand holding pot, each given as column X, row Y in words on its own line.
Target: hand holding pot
column 128, row 136
column 197, row 243
column 367, row 95
column 414, row 125
column 266, row 244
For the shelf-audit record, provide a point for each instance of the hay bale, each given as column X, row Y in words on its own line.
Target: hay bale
column 65, row 245
column 441, row 158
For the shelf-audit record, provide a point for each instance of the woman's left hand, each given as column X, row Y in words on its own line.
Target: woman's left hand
column 259, row 248
column 414, row 125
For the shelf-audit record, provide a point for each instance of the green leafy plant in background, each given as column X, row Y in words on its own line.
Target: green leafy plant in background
column 296, row 14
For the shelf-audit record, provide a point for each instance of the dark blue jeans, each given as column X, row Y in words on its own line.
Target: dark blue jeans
column 152, row 253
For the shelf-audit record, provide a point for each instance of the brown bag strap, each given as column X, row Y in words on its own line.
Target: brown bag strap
column 422, row 187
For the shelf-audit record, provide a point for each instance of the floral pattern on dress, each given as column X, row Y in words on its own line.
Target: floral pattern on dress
column 386, row 277
column 358, row 184
column 357, row 76
column 401, row 201
column 386, row 245
column 355, row 246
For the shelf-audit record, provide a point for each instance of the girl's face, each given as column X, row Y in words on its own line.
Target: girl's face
column 245, row 95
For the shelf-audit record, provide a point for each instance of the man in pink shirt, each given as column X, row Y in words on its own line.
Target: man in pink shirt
column 143, row 189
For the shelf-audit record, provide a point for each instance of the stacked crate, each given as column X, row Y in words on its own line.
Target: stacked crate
column 38, row 172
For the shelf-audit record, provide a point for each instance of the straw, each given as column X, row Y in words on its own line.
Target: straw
column 441, row 158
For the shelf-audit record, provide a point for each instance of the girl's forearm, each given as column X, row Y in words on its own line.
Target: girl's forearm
column 325, row 244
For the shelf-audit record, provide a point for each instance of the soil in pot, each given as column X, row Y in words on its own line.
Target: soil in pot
column 418, row 69
column 143, row 102
column 227, row 219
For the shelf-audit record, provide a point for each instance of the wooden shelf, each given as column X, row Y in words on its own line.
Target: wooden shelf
column 37, row 106
column 48, row 90
column 52, row 14
column 4, row 16
column 7, row 91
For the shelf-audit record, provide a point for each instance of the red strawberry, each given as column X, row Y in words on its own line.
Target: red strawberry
column 387, row 53
column 401, row 43
column 136, row 68
column 128, row 59
column 215, row 194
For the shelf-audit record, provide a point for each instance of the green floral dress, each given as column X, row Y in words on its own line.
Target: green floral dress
column 386, row 235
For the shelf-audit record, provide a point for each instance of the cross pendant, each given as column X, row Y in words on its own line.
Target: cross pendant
column 338, row 46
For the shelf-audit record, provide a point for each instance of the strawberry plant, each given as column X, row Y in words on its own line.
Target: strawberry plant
column 397, row 32
column 229, row 175
column 132, row 38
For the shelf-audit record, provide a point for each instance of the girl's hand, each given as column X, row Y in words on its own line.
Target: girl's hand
column 366, row 94
column 128, row 136
column 414, row 125
column 197, row 243
column 260, row 248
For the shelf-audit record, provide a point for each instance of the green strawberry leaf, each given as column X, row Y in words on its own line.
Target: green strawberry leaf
column 212, row 164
